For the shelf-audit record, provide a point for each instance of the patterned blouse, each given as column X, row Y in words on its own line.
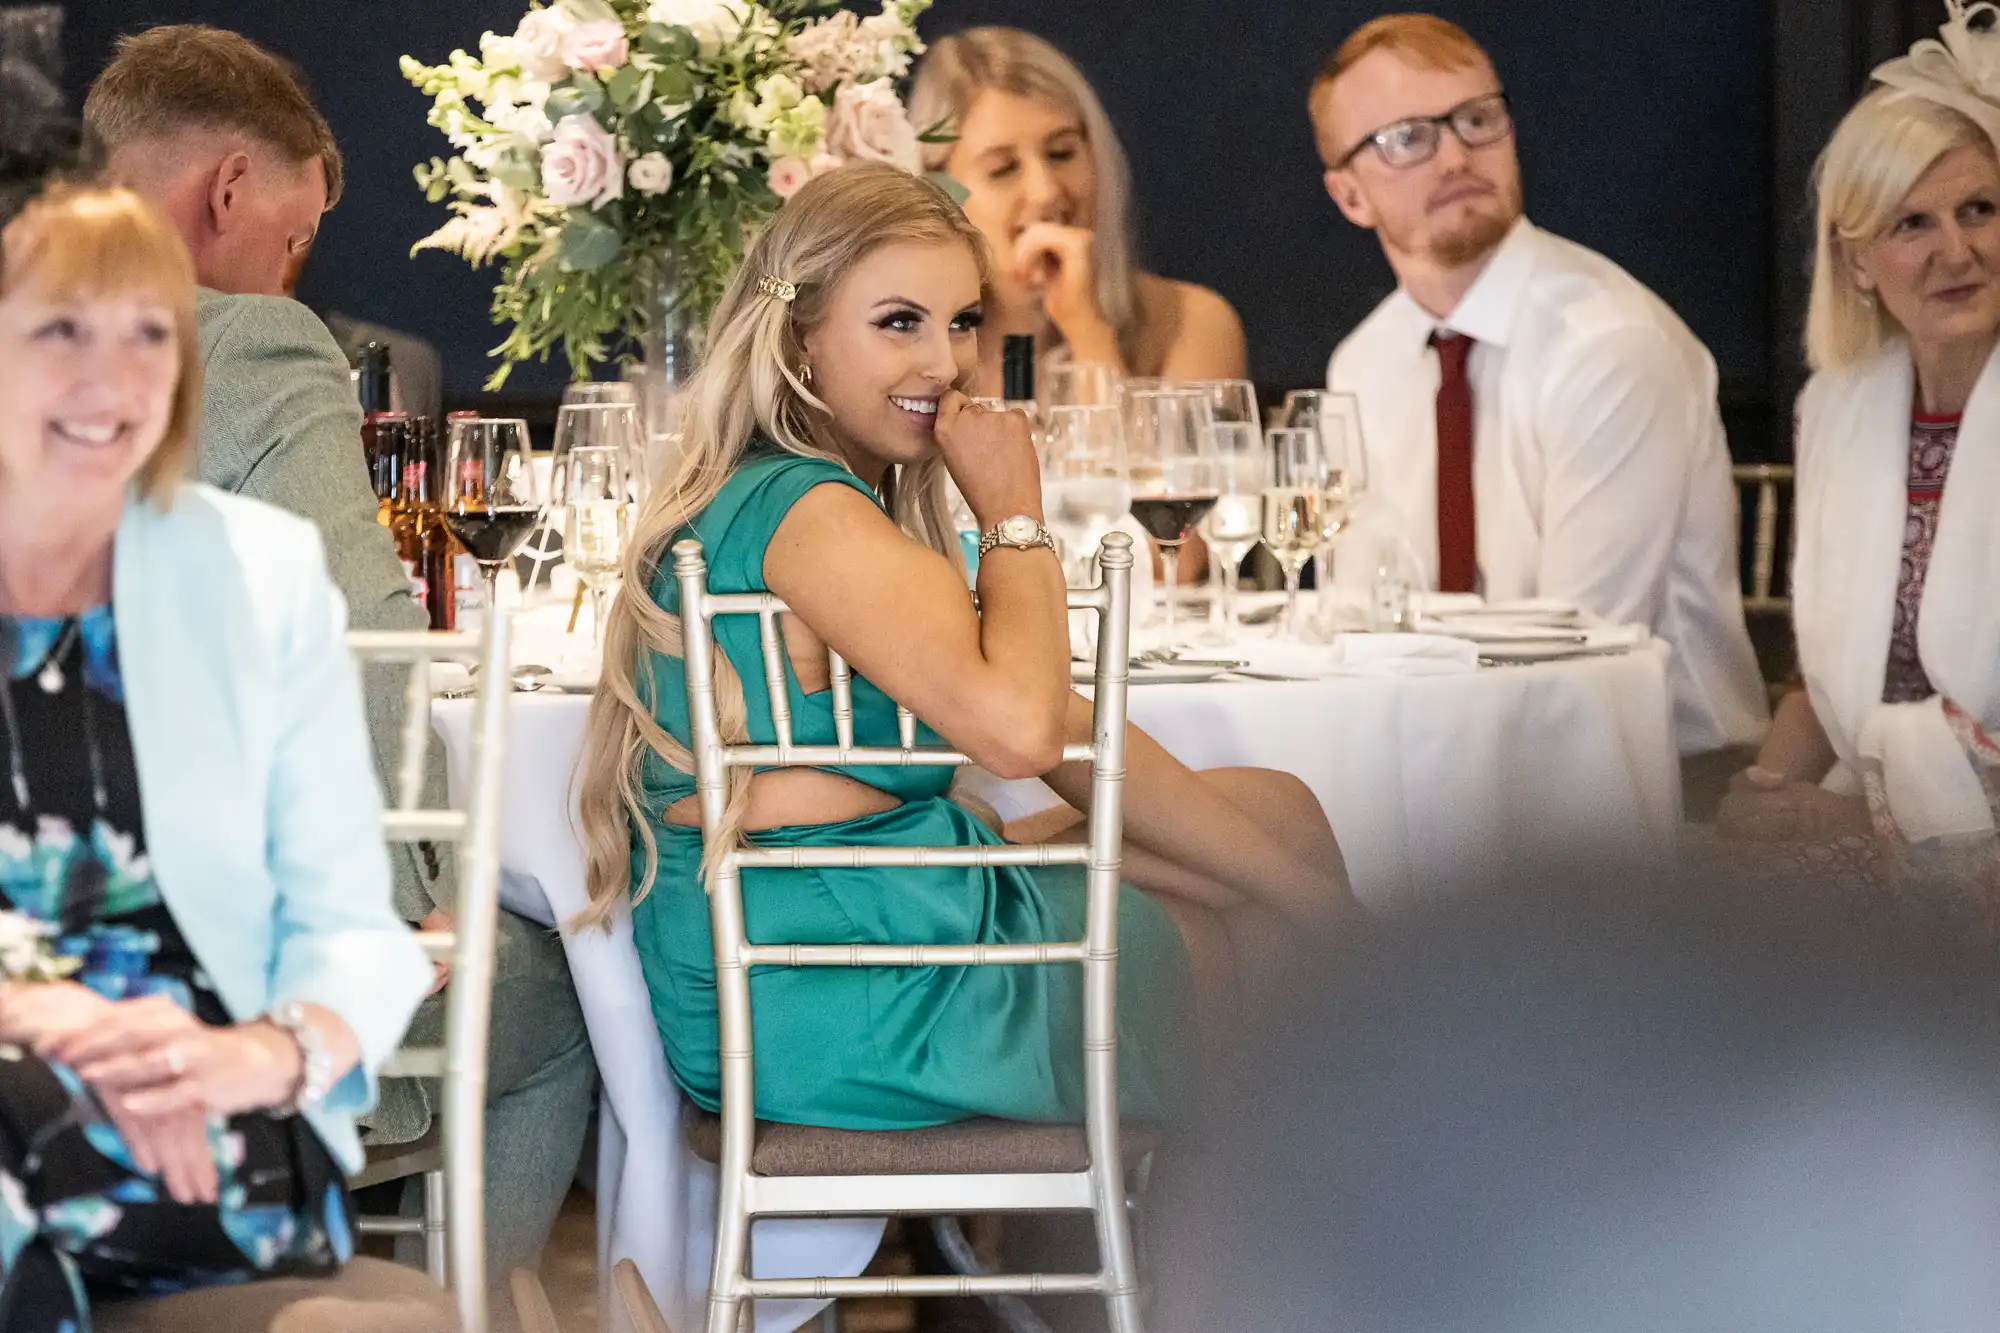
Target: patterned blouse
column 1931, row 441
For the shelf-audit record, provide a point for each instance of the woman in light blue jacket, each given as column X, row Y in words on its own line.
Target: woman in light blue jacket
column 202, row 970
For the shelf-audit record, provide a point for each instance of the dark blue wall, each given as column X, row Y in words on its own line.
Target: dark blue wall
column 1644, row 133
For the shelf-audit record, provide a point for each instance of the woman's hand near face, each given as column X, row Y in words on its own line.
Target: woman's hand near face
column 991, row 455
column 1060, row 264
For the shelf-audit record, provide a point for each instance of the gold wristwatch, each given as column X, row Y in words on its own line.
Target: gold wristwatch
column 1020, row 532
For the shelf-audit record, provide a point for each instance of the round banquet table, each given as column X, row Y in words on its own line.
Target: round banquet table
column 1432, row 783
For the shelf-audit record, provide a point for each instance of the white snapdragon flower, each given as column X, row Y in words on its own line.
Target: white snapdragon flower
column 714, row 23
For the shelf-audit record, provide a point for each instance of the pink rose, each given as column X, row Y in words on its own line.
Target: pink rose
column 595, row 46
column 822, row 163
column 868, row 122
column 789, row 175
column 540, row 39
column 582, row 165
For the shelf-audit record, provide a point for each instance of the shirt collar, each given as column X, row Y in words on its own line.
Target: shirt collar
column 1487, row 311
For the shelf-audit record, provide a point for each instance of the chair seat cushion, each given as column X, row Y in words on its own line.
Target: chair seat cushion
column 970, row 1147
column 366, row 1296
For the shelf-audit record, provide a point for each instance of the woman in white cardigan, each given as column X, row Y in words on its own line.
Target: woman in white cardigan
column 201, row 969
column 1885, row 754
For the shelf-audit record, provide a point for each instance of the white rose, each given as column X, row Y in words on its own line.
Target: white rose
column 582, row 165
column 789, row 175
column 868, row 122
column 714, row 23
column 651, row 174
column 539, row 41
column 526, row 119
column 595, row 46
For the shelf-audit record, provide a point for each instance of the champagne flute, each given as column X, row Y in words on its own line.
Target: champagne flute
column 1243, row 471
column 1346, row 480
column 592, row 493
column 494, row 496
column 1294, row 502
column 1174, row 476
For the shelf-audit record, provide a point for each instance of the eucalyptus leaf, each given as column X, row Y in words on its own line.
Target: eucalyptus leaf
column 674, row 85
column 518, row 170
column 588, row 243
column 589, row 11
column 577, row 97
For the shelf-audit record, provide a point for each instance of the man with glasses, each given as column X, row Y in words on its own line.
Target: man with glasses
column 1539, row 424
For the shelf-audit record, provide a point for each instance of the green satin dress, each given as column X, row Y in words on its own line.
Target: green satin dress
column 883, row 1048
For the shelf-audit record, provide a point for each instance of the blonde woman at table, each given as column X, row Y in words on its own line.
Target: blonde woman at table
column 1049, row 189
column 1886, row 752
column 190, row 818
column 820, row 431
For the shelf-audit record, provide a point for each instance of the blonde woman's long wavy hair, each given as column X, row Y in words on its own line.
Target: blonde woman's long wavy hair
column 748, row 386
column 958, row 68
column 1877, row 154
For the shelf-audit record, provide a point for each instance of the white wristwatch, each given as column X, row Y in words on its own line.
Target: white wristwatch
column 1020, row 532
column 315, row 1061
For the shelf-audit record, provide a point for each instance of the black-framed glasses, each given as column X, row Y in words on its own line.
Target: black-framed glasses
column 1409, row 143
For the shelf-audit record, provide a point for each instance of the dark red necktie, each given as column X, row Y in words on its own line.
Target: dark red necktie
column 1458, row 549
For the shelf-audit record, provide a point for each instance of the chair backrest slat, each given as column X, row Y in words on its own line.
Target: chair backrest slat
column 1110, row 601
column 475, row 831
column 1762, row 597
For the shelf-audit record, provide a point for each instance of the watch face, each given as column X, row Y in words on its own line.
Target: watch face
column 1018, row 530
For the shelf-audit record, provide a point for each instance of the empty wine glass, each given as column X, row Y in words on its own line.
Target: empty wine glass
column 1229, row 400
column 1174, row 482
column 1081, row 384
column 1086, row 480
column 494, row 497
column 610, row 422
column 1294, row 505
column 590, row 487
column 1243, row 471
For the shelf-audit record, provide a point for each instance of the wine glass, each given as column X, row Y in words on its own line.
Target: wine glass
column 1243, row 471
column 591, row 490
column 1230, row 400
column 1346, row 480
column 592, row 393
column 1294, row 503
column 1174, row 481
column 494, row 496
column 612, row 422
column 1302, row 408
column 1086, row 479
column 1081, row 384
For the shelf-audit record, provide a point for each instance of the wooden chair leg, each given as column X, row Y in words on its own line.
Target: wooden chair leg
column 637, row 1299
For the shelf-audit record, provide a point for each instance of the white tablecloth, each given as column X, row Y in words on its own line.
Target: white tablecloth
column 1431, row 783
column 1438, row 782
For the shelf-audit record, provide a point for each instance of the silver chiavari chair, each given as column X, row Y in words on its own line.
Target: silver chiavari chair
column 451, row 1158
column 1762, row 598
column 769, row 1171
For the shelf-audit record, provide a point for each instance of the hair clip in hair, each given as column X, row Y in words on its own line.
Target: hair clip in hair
column 778, row 287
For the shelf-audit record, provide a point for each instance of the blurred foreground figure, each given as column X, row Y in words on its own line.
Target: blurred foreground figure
column 1581, row 1108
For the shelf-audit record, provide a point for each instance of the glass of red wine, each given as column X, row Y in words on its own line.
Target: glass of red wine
column 1176, row 475
column 494, row 496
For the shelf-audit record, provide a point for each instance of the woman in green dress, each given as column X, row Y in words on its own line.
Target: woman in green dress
column 818, row 436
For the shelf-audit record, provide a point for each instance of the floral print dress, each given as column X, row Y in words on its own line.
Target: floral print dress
column 79, row 1221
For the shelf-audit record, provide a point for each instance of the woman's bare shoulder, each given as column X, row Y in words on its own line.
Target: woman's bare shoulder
column 1188, row 331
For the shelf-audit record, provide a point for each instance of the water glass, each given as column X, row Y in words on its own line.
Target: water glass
column 1232, row 528
column 1086, row 479
column 1080, row 384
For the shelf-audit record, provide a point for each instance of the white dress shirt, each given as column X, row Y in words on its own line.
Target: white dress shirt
column 1600, row 472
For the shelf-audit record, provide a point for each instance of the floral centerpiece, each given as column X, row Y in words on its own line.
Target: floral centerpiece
column 613, row 155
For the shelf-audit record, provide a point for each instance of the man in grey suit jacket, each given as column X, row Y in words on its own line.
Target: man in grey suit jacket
column 222, row 137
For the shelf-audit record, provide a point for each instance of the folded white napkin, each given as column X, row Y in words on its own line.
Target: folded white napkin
column 1616, row 636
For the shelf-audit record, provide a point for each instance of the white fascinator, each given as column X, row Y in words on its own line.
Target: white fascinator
column 1959, row 68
